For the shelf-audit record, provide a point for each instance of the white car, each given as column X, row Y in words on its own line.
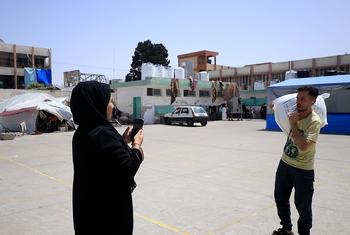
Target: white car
column 187, row 114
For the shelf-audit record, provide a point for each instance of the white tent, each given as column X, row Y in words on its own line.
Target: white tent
column 27, row 107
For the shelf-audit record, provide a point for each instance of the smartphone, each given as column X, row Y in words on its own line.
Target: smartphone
column 138, row 124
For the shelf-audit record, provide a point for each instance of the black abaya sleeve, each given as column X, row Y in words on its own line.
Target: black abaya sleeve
column 116, row 152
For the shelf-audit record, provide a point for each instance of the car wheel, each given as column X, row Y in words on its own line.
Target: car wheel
column 167, row 121
column 190, row 123
column 203, row 123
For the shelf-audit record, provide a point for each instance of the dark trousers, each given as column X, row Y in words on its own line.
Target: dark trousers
column 288, row 177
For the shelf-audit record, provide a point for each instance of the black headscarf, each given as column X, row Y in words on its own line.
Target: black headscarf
column 89, row 103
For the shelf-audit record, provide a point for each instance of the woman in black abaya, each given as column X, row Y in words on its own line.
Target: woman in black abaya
column 104, row 164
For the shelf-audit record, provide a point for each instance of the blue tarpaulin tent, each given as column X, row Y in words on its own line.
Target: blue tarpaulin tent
column 338, row 104
column 29, row 76
column 44, row 76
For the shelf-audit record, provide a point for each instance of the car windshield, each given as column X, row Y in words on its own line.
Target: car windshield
column 198, row 110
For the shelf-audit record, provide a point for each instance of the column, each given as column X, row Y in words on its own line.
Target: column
column 33, row 58
column 269, row 76
column 252, row 79
column 15, row 65
column 313, row 72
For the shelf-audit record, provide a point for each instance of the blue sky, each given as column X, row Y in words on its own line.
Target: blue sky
column 101, row 36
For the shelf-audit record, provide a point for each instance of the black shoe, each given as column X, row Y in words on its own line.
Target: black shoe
column 282, row 231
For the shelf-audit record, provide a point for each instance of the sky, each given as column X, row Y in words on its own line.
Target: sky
column 101, row 36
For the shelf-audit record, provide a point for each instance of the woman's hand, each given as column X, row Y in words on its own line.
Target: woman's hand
column 126, row 136
column 138, row 139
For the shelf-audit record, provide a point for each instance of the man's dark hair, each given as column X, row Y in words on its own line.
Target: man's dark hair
column 312, row 91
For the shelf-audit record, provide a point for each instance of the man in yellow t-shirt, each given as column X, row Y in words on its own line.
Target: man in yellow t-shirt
column 296, row 168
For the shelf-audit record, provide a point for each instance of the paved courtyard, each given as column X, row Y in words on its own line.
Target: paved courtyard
column 217, row 179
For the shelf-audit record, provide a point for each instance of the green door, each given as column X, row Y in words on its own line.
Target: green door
column 136, row 107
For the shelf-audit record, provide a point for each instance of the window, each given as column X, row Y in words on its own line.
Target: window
column 24, row 60
column 198, row 110
column 208, row 60
column 6, row 81
column 184, row 110
column 39, row 61
column 149, row 91
column 203, row 93
column 189, row 93
column 6, row 59
column 157, row 92
column 154, row 92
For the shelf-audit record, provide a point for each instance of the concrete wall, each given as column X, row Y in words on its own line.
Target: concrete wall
column 243, row 70
column 245, row 94
column 227, row 72
column 7, row 71
column 24, row 49
column 211, row 67
column 192, row 59
column 6, row 47
column 330, row 61
column 302, row 64
column 326, row 61
column 11, row 71
column 263, row 68
column 280, row 66
column 214, row 74
column 8, row 93
column 345, row 59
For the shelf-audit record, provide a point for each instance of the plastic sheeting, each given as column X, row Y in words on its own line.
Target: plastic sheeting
column 286, row 104
column 44, row 76
column 25, row 108
column 29, row 76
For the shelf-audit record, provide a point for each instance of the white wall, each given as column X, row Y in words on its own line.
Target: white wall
column 124, row 98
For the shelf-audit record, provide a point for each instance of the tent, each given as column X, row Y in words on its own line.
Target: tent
column 30, row 108
column 338, row 105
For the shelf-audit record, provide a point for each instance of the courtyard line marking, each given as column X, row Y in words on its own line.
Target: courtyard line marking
column 39, row 172
column 66, row 184
column 153, row 221
column 241, row 219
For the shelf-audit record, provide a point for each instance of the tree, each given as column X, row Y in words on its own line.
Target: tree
column 147, row 52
